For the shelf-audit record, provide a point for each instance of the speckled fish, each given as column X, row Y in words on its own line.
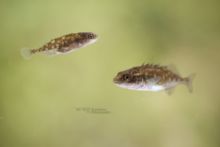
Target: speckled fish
column 64, row 44
column 150, row 77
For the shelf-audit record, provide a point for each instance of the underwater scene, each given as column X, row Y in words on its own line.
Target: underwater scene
column 97, row 73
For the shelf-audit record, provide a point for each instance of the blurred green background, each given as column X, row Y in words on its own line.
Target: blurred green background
column 39, row 97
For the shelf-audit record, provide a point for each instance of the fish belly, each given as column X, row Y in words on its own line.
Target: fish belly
column 151, row 88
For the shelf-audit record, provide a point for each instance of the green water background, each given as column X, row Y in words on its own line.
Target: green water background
column 40, row 98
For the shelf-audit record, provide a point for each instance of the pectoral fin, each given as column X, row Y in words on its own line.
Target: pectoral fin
column 153, row 80
column 51, row 52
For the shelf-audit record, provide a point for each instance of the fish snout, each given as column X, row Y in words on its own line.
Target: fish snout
column 116, row 80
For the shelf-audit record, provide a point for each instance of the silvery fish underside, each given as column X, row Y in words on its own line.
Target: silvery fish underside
column 62, row 45
column 150, row 77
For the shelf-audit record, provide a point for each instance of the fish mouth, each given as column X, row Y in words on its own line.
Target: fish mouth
column 115, row 80
column 95, row 36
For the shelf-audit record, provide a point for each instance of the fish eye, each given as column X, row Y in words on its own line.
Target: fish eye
column 90, row 36
column 126, row 77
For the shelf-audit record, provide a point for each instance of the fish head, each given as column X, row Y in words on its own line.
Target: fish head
column 87, row 38
column 130, row 79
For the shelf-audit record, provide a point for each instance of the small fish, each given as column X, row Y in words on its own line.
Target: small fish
column 149, row 77
column 62, row 45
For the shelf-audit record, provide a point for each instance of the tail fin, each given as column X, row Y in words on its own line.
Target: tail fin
column 188, row 82
column 26, row 53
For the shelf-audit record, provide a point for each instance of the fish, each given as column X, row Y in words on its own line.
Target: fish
column 63, row 45
column 152, row 77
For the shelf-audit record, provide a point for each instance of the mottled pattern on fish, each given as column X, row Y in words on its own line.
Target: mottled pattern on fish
column 64, row 44
column 150, row 77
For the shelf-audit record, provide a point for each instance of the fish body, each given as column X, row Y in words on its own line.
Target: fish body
column 64, row 44
column 149, row 77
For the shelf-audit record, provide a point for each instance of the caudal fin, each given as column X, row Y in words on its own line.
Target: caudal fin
column 26, row 53
column 188, row 82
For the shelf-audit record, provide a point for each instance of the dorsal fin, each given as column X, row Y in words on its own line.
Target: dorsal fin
column 149, row 65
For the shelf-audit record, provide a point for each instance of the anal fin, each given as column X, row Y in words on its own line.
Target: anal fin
column 169, row 91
